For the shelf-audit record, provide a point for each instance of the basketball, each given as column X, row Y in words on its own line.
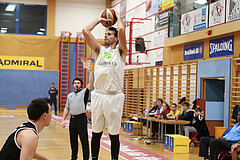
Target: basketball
column 109, row 14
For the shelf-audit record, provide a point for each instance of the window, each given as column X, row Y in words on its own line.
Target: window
column 23, row 19
column 7, row 18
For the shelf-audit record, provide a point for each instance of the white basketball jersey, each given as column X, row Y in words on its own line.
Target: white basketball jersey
column 109, row 70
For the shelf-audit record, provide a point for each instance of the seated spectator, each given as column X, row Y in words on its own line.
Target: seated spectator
column 234, row 151
column 166, row 109
column 221, row 144
column 183, row 99
column 155, row 110
column 187, row 115
column 174, row 112
column 158, row 108
column 199, row 124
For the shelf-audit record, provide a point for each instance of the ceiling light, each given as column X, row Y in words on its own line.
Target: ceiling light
column 10, row 8
column 3, row 31
column 42, row 29
column 4, row 28
column 201, row 1
column 40, row 33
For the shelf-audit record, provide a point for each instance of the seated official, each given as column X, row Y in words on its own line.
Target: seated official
column 156, row 110
column 199, row 124
column 166, row 109
column 221, row 144
column 174, row 112
column 187, row 115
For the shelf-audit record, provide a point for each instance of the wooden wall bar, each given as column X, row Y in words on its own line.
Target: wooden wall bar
column 171, row 83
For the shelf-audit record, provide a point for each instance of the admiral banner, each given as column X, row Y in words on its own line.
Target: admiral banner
column 21, row 63
column 233, row 11
column 193, row 51
column 217, row 13
column 221, row 47
column 194, row 20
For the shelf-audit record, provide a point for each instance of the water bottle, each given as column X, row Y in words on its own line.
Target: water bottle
column 146, row 112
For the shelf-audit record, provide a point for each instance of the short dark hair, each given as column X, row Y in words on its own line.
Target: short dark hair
column 52, row 83
column 186, row 103
column 36, row 108
column 77, row 79
column 160, row 99
column 174, row 104
column 198, row 109
column 115, row 31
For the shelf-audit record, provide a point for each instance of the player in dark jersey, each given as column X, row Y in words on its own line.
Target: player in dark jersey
column 53, row 92
column 23, row 141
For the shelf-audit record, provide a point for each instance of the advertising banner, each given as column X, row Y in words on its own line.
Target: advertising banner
column 194, row 20
column 193, row 51
column 21, row 63
column 217, row 13
column 167, row 4
column 161, row 19
column 221, row 47
column 233, row 11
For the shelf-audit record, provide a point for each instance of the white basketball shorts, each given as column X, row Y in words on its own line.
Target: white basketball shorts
column 106, row 111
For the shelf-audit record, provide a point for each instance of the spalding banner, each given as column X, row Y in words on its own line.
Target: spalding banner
column 21, row 63
column 221, row 47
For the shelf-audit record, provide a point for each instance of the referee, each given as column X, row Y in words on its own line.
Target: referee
column 76, row 107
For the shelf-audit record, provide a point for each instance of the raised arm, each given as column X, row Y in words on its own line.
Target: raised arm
column 121, row 36
column 90, row 84
column 91, row 40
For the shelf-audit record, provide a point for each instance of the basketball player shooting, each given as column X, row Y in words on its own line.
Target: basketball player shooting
column 107, row 98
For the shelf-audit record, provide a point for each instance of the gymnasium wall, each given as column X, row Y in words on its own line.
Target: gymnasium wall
column 73, row 16
column 19, row 87
column 173, row 51
column 146, row 28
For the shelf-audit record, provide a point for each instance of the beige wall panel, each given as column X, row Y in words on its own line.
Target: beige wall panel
column 141, row 77
column 36, row 46
column 135, row 78
column 51, row 17
column 174, row 54
column 237, row 44
column 202, row 34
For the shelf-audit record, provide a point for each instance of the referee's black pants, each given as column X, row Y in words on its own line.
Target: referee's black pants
column 78, row 126
column 216, row 145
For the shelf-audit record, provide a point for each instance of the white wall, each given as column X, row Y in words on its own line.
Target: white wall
column 146, row 30
column 73, row 16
